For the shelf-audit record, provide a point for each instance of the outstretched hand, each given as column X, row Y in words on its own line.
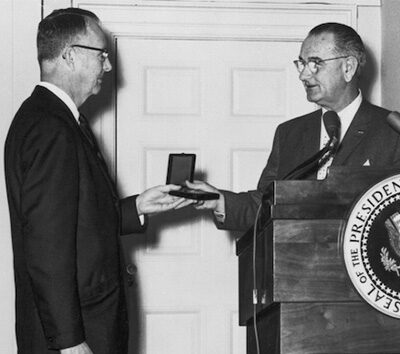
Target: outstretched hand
column 215, row 204
column 156, row 200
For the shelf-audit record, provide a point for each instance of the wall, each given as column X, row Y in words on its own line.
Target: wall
column 18, row 72
column 391, row 54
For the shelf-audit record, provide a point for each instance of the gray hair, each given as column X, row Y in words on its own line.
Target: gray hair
column 59, row 29
column 347, row 40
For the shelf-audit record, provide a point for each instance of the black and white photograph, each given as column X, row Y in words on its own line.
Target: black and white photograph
column 200, row 177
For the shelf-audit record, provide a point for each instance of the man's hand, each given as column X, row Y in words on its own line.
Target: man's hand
column 156, row 200
column 215, row 204
column 82, row 348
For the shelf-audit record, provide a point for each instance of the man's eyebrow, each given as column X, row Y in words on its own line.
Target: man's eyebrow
column 309, row 58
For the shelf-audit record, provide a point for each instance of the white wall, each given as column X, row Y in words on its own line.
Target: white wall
column 391, row 54
column 18, row 72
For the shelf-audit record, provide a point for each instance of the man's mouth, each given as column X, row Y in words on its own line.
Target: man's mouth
column 309, row 86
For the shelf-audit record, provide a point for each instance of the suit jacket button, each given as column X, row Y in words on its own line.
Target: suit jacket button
column 131, row 269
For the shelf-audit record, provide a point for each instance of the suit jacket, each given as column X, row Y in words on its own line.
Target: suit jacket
column 368, row 138
column 66, row 219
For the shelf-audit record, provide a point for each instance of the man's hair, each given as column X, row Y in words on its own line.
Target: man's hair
column 60, row 29
column 347, row 40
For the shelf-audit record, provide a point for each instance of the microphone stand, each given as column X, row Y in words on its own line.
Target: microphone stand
column 314, row 161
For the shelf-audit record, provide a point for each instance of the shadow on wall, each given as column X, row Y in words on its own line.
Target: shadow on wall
column 368, row 75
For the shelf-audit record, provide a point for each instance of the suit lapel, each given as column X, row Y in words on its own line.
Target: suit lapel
column 304, row 141
column 52, row 103
column 354, row 135
column 98, row 157
column 311, row 136
column 90, row 140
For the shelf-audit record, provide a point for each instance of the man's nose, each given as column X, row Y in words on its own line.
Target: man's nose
column 305, row 73
column 107, row 65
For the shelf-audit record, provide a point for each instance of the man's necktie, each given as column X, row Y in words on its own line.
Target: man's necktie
column 87, row 132
column 332, row 125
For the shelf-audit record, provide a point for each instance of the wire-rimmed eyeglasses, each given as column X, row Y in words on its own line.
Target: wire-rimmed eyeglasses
column 313, row 64
column 104, row 52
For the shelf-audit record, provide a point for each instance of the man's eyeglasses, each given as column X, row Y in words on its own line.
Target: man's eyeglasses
column 313, row 64
column 104, row 52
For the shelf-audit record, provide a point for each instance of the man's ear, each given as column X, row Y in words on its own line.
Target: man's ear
column 350, row 68
column 69, row 57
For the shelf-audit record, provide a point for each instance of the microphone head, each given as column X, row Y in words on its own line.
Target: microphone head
column 332, row 124
column 393, row 119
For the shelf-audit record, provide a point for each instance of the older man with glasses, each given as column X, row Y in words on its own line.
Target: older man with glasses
column 66, row 216
column 330, row 64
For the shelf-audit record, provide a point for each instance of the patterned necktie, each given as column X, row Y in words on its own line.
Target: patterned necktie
column 332, row 125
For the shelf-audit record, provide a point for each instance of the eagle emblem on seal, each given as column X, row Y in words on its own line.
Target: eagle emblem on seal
column 392, row 225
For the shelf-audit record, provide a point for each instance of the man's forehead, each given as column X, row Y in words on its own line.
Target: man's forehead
column 95, row 34
column 318, row 46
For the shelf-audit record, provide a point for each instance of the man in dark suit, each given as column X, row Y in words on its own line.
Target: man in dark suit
column 330, row 63
column 66, row 216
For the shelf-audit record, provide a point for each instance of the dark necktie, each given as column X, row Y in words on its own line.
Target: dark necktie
column 87, row 131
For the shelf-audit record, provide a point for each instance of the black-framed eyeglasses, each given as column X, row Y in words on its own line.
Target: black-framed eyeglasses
column 313, row 64
column 104, row 52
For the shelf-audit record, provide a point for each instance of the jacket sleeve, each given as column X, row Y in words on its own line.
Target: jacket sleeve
column 49, row 205
column 241, row 208
column 130, row 222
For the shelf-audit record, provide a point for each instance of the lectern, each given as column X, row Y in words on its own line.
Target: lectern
column 306, row 302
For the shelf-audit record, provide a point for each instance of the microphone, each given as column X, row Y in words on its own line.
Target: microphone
column 332, row 126
column 393, row 119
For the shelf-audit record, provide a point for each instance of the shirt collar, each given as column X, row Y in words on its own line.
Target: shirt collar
column 63, row 96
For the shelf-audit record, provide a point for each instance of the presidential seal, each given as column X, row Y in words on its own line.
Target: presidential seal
column 371, row 246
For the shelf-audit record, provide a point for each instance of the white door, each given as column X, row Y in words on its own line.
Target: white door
column 196, row 79
column 220, row 100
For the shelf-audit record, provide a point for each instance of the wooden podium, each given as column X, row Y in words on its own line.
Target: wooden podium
column 306, row 303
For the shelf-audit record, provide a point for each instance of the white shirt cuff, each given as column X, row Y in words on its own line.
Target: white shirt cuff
column 219, row 216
